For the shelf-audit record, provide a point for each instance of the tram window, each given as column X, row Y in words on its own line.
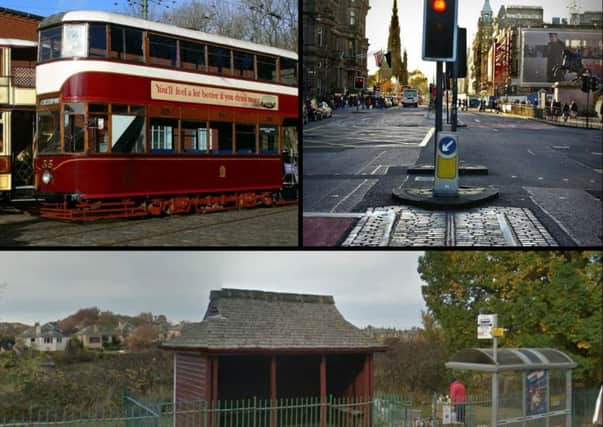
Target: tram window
column 134, row 49
column 245, row 139
column 221, row 137
column 74, row 108
column 243, row 64
column 266, row 68
column 126, row 43
column 98, row 108
column 162, row 50
column 163, row 135
column 288, row 71
column 118, row 108
column 268, row 139
column 192, row 56
column 195, row 136
column 97, row 36
column 218, row 59
column 137, row 109
column 127, row 134
column 74, row 128
column 50, row 43
column 49, row 131
column 117, row 42
column 98, row 133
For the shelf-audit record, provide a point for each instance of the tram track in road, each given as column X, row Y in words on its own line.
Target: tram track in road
column 128, row 232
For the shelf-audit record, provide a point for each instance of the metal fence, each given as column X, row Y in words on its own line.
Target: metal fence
column 553, row 116
column 477, row 411
column 381, row 411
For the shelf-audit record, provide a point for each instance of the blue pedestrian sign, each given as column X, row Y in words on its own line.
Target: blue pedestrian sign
column 447, row 146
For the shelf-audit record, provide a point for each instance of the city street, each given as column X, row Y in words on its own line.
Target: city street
column 276, row 226
column 549, row 179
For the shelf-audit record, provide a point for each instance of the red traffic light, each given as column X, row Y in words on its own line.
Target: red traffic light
column 439, row 6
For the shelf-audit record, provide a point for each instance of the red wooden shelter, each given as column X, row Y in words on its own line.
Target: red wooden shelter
column 267, row 345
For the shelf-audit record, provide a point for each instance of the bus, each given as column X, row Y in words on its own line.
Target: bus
column 137, row 117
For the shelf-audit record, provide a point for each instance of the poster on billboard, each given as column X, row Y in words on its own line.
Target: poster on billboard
column 542, row 54
column 536, row 384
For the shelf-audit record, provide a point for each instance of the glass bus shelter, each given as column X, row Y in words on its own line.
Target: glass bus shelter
column 531, row 387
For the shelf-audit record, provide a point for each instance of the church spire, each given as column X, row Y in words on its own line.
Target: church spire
column 395, row 11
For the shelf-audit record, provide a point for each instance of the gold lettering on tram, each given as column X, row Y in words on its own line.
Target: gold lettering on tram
column 222, row 171
column 47, row 164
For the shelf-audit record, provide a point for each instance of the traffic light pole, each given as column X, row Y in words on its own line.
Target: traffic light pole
column 455, row 113
column 438, row 108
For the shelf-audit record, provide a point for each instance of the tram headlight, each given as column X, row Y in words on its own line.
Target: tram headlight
column 46, row 177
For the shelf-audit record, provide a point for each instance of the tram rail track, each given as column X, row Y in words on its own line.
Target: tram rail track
column 53, row 233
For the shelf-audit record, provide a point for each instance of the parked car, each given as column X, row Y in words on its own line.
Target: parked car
column 325, row 110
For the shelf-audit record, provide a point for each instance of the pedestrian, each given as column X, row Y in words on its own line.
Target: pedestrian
column 566, row 112
column 458, row 399
column 574, row 109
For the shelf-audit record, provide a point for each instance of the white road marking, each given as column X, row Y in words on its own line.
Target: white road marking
column 495, row 130
column 531, row 152
column 333, row 215
column 477, row 120
column 359, row 172
column 349, row 195
column 427, row 138
column 597, row 154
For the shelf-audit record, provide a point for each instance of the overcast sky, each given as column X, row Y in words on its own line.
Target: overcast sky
column 410, row 13
column 376, row 288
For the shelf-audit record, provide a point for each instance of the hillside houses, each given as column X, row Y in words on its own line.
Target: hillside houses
column 47, row 337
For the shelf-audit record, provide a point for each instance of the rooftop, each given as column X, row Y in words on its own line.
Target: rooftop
column 8, row 11
column 244, row 320
column 510, row 359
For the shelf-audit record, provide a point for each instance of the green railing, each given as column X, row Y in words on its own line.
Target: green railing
column 381, row 411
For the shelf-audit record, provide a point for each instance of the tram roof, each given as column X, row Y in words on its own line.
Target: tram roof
column 173, row 30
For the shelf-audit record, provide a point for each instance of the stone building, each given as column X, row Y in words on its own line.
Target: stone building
column 18, row 48
column 517, row 60
column 481, row 47
column 335, row 46
column 506, row 46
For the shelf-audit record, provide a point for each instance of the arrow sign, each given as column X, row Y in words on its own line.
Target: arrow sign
column 447, row 146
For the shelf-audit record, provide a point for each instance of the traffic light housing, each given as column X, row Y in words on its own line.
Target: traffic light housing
column 594, row 83
column 461, row 60
column 440, row 30
column 359, row 83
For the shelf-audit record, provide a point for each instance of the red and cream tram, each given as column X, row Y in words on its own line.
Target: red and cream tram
column 137, row 118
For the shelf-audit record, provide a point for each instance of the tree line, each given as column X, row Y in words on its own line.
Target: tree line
column 269, row 22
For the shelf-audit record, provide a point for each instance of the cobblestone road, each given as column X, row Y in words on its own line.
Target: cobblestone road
column 406, row 226
column 277, row 226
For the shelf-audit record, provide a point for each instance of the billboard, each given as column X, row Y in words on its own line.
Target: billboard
column 542, row 50
column 536, row 385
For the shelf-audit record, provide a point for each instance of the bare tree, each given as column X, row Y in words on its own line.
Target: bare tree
column 270, row 22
